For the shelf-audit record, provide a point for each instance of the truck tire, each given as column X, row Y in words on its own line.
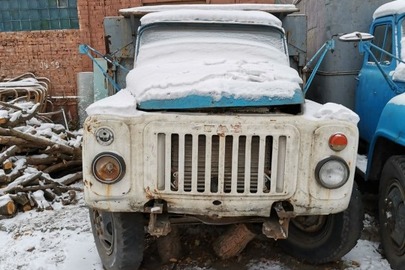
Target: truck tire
column 391, row 205
column 323, row 239
column 119, row 238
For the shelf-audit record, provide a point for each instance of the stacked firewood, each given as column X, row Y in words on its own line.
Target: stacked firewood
column 39, row 160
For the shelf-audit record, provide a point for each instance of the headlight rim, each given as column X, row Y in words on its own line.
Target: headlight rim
column 120, row 161
column 322, row 163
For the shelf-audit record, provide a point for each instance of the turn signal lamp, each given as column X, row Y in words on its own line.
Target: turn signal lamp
column 338, row 142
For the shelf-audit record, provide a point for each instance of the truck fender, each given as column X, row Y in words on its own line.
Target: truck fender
column 389, row 138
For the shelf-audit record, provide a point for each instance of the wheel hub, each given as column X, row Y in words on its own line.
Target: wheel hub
column 394, row 211
column 104, row 229
column 309, row 223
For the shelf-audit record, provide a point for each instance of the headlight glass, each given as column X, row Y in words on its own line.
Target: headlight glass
column 108, row 168
column 332, row 172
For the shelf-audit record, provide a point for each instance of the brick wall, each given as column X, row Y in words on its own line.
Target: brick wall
column 51, row 54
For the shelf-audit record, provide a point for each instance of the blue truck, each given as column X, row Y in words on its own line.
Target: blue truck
column 374, row 87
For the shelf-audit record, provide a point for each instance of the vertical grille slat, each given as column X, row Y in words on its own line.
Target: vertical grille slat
column 260, row 171
column 168, row 161
column 235, row 159
column 189, row 163
column 221, row 164
column 180, row 179
column 194, row 160
column 247, row 164
column 208, row 148
column 274, row 162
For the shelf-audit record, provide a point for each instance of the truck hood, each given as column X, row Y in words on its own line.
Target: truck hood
column 240, row 75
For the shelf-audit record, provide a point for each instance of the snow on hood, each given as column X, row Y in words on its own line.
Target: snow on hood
column 165, row 76
column 217, row 16
column 391, row 8
column 314, row 110
column 173, row 70
column 122, row 103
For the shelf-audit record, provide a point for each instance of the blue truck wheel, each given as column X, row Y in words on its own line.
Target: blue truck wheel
column 392, row 211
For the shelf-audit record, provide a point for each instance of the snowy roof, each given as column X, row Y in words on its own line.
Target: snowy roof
column 394, row 7
column 223, row 16
column 271, row 8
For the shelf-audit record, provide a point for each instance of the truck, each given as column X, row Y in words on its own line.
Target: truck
column 376, row 94
column 213, row 127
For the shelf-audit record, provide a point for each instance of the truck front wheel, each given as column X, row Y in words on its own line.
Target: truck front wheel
column 391, row 207
column 322, row 239
column 119, row 238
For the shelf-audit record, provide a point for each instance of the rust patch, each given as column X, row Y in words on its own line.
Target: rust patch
column 87, row 183
column 149, row 194
column 108, row 190
column 91, row 124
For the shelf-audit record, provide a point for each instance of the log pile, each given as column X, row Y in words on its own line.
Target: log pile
column 39, row 160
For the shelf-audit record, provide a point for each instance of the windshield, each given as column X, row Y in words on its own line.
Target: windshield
column 213, row 39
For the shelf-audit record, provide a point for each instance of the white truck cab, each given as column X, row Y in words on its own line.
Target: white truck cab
column 213, row 127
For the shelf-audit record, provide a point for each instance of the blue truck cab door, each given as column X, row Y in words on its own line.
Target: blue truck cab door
column 373, row 91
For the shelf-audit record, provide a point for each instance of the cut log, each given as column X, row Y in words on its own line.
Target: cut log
column 21, row 181
column 63, row 166
column 11, row 140
column 20, row 198
column 7, row 206
column 7, row 165
column 233, row 241
column 11, row 151
column 72, row 178
column 45, row 142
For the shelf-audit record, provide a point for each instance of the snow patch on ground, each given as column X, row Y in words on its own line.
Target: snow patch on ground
column 58, row 239
column 361, row 163
column 364, row 256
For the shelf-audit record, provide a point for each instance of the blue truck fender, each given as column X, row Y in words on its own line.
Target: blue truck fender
column 389, row 138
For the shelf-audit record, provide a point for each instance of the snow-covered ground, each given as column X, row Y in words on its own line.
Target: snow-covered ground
column 61, row 239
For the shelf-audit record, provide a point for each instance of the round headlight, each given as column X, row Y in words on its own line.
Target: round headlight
column 108, row 168
column 332, row 172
